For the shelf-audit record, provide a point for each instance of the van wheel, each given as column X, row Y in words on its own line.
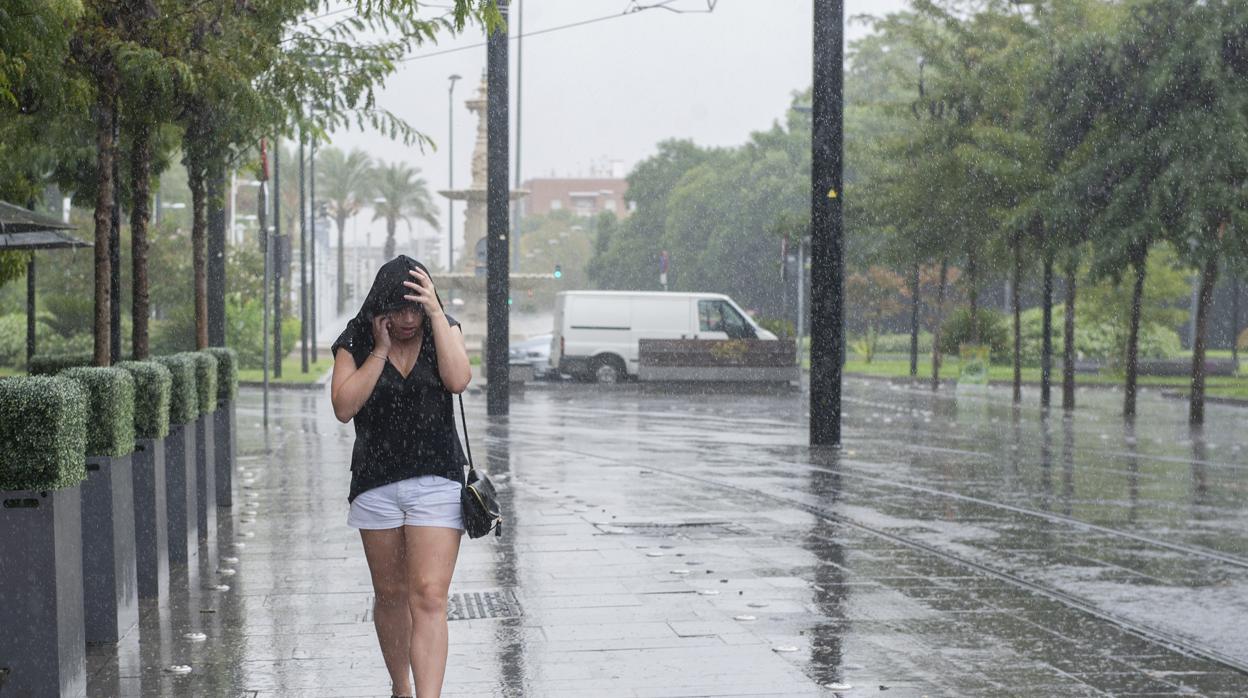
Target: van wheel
column 608, row 369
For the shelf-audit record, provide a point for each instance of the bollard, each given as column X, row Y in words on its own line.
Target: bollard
column 152, row 388
column 108, row 554
column 42, row 462
column 180, row 473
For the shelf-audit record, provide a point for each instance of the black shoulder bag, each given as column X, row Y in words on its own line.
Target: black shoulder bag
column 482, row 512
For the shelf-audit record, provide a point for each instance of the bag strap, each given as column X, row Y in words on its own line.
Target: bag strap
column 464, row 420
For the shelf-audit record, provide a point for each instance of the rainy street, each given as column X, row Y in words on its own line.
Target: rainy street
column 662, row 544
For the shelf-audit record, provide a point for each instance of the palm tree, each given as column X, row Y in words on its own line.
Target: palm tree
column 346, row 184
column 401, row 196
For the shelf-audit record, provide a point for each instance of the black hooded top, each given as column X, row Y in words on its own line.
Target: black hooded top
column 406, row 428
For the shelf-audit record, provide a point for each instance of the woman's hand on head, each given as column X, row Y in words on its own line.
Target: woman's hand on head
column 381, row 333
column 422, row 291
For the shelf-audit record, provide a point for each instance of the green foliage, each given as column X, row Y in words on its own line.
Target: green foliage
column 404, row 196
column 13, row 265
column 1102, row 339
column 899, row 343
column 153, row 389
column 49, row 364
column 994, row 332
column 227, row 372
column 110, row 409
column 205, row 380
column 780, row 327
column 13, row 338
column 184, row 398
column 244, row 319
column 43, row 433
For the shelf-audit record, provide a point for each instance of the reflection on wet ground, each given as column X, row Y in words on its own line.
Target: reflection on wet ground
column 676, row 544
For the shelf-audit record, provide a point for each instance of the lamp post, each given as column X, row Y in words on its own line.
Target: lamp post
column 450, row 155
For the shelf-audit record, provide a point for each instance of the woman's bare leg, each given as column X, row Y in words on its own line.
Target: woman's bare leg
column 386, row 552
column 431, row 554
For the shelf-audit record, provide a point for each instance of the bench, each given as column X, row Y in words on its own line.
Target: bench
column 717, row 360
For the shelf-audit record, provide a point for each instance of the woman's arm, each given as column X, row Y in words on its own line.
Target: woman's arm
column 351, row 386
column 453, row 366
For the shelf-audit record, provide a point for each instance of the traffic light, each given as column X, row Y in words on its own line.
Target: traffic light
column 558, row 271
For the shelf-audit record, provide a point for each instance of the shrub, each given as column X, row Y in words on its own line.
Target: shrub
column 13, row 338
column 244, row 322
column 1095, row 340
column 110, row 409
column 205, row 380
column 50, row 364
column 43, row 433
column 780, row 327
column 227, row 372
column 184, row 398
column 153, row 388
column 994, row 332
column 900, row 343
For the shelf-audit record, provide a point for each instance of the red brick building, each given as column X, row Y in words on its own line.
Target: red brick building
column 583, row 196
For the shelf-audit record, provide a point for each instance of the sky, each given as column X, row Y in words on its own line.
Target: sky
column 603, row 95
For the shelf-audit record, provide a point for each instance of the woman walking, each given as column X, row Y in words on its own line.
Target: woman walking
column 404, row 358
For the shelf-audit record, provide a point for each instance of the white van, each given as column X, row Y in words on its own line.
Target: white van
column 596, row 332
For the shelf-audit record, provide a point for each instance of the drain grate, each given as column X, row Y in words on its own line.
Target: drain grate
column 471, row 605
column 686, row 528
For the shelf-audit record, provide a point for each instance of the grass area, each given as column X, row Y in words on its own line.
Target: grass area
column 10, row 371
column 1219, row 386
column 291, row 371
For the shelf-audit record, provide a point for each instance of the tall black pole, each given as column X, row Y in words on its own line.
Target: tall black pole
column 114, row 252
column 1234, row 321
column 497, row 196
column 303, row 257
column 827, row 243
column 279, row 258
column 216, row 256
column 515, row 223
column 266, row 247
column 312, row 243
column 30, row 309
column 914, row 320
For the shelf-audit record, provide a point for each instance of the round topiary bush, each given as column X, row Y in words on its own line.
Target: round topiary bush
column 110, row 409
column 43, row 433
column 205, row 380
column 153, row 391
column 227, row 372
column 184, row 398
column 51, row 364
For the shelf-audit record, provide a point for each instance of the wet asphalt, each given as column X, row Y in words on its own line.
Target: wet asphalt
column 691, row 544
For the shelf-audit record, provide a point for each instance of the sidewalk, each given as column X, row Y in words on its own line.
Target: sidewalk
column 678, row 546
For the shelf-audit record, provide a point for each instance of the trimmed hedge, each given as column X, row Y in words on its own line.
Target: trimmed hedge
column 205, row 380
column 184, row 398
column 110, row 409
column 153, row 391
column 227, row 372
column 43, row 433
column 51, row 364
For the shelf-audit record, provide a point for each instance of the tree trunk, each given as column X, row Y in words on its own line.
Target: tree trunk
column 106, row 153
column 342, row 264
column 140, row 214
column 1018, row 331
column 1208, row 277
column 940, row 311
column 914, row 321
column 1235, row 322
column 1068, row 340
column 1046, row 335
column 1140, row 263
column 972, row 277
column 197, row 182
column 391, row 224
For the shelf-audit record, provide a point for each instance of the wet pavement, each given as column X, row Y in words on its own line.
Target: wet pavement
column 691, row 545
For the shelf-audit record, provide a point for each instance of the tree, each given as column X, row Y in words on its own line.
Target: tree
column 401, row 196
column 345, row 184
column 878, row 295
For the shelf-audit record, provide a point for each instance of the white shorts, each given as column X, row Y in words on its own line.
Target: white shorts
column 426, row 500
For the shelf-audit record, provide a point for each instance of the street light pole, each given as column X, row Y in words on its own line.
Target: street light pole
column 827, row 333
column 279, row 258
column 312, row 244
column 450, row 155
column 497, row 196
column 303, row 256
column 515, row 223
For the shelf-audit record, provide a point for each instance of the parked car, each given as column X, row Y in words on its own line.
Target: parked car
column 596, row 332
column 534, row 351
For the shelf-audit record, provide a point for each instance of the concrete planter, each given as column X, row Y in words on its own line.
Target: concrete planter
column 180, row 494
column 151, row 519
column 206, row 478
column 42, row 644
column 226, row 450
column 111, row 592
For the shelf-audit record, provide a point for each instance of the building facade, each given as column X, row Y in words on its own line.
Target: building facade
column 583, row 196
